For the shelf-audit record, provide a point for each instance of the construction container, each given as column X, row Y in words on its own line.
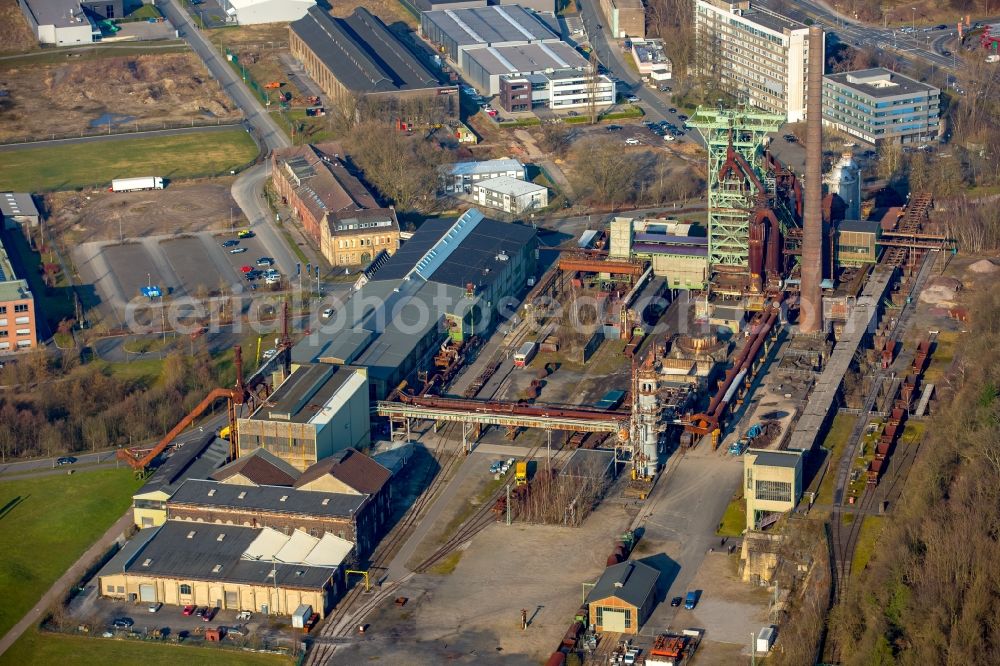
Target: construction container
column 765, row 639
column 556, row 659
column 301, row 616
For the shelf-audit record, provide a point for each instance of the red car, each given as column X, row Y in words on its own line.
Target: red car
column 188, row 610
column 209, row 614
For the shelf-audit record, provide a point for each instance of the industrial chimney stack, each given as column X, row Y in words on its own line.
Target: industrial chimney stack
column 811, row 306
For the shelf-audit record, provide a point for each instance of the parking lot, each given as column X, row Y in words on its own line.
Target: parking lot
column 133, row 269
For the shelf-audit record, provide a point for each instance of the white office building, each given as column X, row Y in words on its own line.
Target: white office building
column 754, row 54
column 461, row 176
column 510, row 195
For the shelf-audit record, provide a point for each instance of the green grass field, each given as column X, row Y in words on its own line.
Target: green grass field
column 834, row 442
column 96, row 163
column 734, row 520
column 870, row 529
column 46, row 523
column 45, row 649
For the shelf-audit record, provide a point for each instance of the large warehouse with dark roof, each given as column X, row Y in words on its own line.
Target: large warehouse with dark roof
column 359, row 56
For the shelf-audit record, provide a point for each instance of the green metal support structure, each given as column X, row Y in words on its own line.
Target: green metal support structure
column 732, row 200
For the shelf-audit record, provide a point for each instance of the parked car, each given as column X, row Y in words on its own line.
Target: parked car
column 155, row 607
column 269, row 353
column 614, row 128
column 122, row 622
column 244, row 615
column 265, row 261
column 238, row 250
column 682, row 118
column 200, row 612
column 188, row 610
column 632, row 141
column 495, row 466
column 691, row 600
column 631, row 99
column 245, row 233
column 676, row 601
column 65, row 460
column 671, row 110
column 235, row 631
column 209, row 614
column 327, row 313
column 230, row 243
column 668, row 137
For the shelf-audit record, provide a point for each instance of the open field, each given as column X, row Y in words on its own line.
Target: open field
column 865, row 547
column 734, row 520
column 123, row 89
column 47, row 523
column 180, row 208
column 834, row 443
column 45, row 649
column 15, row 34
column 96, row 164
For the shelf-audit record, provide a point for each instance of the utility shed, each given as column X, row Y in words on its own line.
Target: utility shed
column 623, row 597
column 857, row 242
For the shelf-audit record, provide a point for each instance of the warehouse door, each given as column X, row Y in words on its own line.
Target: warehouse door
column 147, row 593
column 614, row 620
column 232, row 599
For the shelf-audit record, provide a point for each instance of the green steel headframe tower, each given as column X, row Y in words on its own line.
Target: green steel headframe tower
column 731, row 193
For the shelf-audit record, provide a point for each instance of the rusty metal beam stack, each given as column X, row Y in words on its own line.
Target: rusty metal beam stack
column 811, row 306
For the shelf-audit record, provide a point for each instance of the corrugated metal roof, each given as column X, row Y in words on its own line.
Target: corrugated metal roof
column 196, row 492
column 630, row 581
column 489, row 25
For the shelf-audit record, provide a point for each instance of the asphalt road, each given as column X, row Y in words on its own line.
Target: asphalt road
column 652, row 102
column 248, row 190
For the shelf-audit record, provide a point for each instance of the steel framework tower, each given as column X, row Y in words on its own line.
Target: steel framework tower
column 732, row 195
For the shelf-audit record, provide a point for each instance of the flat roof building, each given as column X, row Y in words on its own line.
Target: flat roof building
column 484, row 66
column 454, row 31
column 626, row 18
column 623, row 598
column 650, row 57
column 251, row 12
column 194, row 460
column 446, row 281
column 227, row 566
column 318, row 410
column 18, row 208
column 774, row 79
column 69, row 22
column 18, row 322
column 358, row 56
column 878, row 105
column 510, row 195
column 460, row 176
column 773, row 485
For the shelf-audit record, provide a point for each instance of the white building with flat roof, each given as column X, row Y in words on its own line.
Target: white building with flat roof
column 754, row 54
column 461, row 176
column 510, row 194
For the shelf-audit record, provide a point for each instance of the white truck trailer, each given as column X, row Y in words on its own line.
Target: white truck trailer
column 136, row 184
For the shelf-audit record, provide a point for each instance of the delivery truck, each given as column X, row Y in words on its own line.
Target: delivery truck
column 136, row 184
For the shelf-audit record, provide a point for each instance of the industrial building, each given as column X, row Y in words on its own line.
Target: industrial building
column 251, row 12
column 353, row 238
column 441, row 5
column 194, row 460
column 461, row 176
column 676, row 250
column 510, row 195
column 257, row 468
column 359, row 56
column 456, row 30
column 228, row 567
column 650, row 57
column 485, row 66
column 623, row 598
column 69, row 22
column 774, row 78
column 350, row 516
column 18, row 327
column 556, row 90
column 446, row 282
column 626, row 18
column 18, row 208
column 318, row 410
column 315, row 183
column 856, row 242
column 773, row 485
column 878, row 105
column 508, row 51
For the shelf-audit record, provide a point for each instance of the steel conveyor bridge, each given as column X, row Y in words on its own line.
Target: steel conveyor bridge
column 481, row 412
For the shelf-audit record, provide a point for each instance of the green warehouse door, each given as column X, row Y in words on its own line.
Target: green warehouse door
column 614, row 620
